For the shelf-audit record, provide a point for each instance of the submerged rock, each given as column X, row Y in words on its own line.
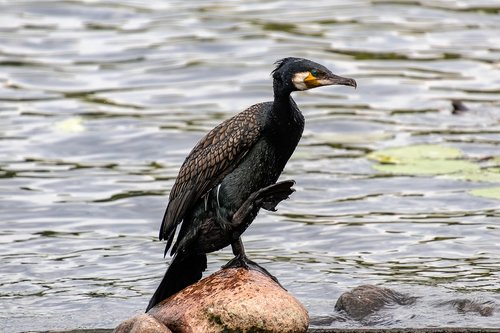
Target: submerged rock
column 485, row 309
column 230, row 300
column 368, row 299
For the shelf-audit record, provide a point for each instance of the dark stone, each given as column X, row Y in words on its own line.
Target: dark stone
column 485, row 309
column 368, row 299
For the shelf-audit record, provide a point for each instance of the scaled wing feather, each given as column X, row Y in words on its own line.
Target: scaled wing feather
column 213, row 158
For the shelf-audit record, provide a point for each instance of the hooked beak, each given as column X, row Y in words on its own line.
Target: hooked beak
column 332, row 79
column 328, row 79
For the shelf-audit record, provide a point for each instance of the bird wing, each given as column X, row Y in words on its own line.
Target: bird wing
column 212, row 159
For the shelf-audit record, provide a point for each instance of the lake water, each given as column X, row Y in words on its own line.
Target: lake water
column 102, row 100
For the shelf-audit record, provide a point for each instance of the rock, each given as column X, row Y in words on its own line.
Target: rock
column 367, row 299
column 143, row 323
column 485, row 309
column 233, row 300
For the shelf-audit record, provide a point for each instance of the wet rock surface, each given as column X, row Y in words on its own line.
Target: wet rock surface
column 239, row 300
column 483, row 308
column 371, row 305
column 365, row 300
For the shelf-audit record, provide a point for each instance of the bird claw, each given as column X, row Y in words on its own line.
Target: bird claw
column 242, row 261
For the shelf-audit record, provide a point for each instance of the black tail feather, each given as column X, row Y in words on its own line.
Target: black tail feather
column 182, row 272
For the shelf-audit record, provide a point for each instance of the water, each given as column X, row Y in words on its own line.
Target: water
column 102, row 100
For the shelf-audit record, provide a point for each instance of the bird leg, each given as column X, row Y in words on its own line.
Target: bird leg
column 268, row 198
column 241, row 260
column 217, row 232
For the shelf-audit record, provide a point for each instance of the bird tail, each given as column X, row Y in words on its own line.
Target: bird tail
column 182, row 272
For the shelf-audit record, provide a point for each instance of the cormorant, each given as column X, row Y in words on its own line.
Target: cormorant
column 231, row 173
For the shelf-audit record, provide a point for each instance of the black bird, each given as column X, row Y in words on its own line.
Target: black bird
column 231, row 173
column 458, row 106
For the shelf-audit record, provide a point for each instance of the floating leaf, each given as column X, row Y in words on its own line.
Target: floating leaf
column 481, row 175
column 488, row 192
column 428, row 167
column 421, row 160
column 437, row 160
column 415, row 152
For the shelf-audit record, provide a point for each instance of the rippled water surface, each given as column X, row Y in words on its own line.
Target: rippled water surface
column 102, row 100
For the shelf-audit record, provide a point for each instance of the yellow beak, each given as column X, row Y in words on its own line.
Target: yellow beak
column 311, row 81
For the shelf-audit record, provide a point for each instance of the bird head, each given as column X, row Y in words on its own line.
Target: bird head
column 293, row 74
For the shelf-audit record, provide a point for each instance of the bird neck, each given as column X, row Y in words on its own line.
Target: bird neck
column 284, row 108
column 285, row 127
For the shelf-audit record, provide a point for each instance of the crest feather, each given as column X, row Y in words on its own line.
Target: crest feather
column 279, row 63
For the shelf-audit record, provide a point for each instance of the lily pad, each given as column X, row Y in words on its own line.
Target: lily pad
column 438, row 160
column 488, row 192
column 481, row 175
column 428, row 167
column 422, row 160
column 415, row 152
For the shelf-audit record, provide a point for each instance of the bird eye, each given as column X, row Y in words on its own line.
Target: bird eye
column 314, row 72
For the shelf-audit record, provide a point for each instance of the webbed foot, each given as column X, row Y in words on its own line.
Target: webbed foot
column 269, row 197
column 242, row 260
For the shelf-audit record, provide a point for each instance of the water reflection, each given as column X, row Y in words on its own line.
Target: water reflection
column 101, row 101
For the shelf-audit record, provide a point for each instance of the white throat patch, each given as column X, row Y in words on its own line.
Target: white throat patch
column 298, row 80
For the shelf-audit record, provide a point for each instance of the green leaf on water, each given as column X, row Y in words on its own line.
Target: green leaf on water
column 415, row 152
column 427, row 167
column 422, row 160
column 481, row 175
column 434, row 160
column 488, row 192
